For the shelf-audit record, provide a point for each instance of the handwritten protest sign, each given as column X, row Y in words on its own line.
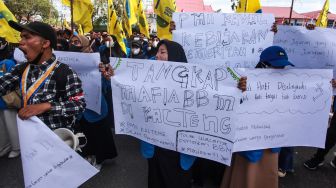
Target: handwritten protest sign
column 284, row 108
column 235, row 40
column 182, row 107
column 47, row 161
column 86, row 66
column 309, row 49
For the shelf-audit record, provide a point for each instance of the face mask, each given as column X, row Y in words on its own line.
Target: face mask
column 135, row 51
column 109, row 44
column 149, row 48
column 136, row 38
column 37, row 59
column 145, row 39
column 74, row 48
column 155, row 43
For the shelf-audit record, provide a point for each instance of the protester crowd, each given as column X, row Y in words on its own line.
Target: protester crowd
column 53, row 92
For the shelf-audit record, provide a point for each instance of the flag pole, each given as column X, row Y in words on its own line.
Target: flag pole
column 290, row 14
column 71, row 9
column 245, row 6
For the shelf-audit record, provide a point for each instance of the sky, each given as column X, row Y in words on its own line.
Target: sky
column 300, row 6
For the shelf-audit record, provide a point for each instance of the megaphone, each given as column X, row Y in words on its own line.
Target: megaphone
column 71, row 139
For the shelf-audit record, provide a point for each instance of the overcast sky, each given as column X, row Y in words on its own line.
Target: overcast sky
column 299, row 5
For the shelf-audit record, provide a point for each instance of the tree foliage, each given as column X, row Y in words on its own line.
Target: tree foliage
column 29, row 8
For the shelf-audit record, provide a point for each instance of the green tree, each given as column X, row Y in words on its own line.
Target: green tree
column 28, row 8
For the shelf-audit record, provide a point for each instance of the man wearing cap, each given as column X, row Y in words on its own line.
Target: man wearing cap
column 137, row 52
column 50, row 90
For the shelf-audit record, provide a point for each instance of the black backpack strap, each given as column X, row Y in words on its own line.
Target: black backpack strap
column 60, row 75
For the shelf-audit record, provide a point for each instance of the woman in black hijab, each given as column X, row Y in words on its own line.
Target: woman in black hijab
column 167, row 168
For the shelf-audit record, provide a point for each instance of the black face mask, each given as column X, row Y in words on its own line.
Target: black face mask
column 74, row 48
column 37, row 58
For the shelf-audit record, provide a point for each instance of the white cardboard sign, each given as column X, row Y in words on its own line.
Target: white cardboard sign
column 284, row 108
column 233, row 40
column 183, row 107
column 47, row 161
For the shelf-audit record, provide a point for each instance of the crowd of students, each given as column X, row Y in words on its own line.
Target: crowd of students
column 53, row 92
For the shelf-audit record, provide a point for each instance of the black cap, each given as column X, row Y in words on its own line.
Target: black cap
column 39, row 28
column 136, row 43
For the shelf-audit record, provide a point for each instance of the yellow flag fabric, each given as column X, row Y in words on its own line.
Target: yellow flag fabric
column 66, row 3
column 114, row 26
column 249, row 6
column 143, row 24
column 164, row 10
column 322, row 20
column 80, row 30
column 66, row 25
column 82, row 14
column 126, row 21
column 11, row 35
column 133, row 11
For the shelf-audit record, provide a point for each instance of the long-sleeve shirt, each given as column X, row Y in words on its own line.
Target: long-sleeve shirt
column 66, row 104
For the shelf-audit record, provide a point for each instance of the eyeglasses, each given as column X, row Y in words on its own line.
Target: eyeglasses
column 75, row 42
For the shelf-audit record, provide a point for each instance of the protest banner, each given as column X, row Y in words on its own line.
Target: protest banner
column 183, row 107
column 284, row 108
column 86, row 67
column 308, row 49
column 47, row 161
column 233, row 40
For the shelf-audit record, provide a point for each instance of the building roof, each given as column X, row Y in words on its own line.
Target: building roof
column 315, row 15
column 192, row 6
column 283, row 12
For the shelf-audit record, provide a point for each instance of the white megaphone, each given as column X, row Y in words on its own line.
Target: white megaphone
column 70, row 138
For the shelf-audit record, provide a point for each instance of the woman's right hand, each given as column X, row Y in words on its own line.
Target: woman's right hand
column 242, row 83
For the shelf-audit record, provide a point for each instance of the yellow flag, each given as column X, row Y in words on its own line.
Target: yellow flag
column 80, row 29
column 11, row 35
column 66, row 3
column 322, row 20
column 130, row 15
column 143, row 24
column 114, row 26
column 134, row 11
column 66, row 25
column 164, row 10
column 249, row 6
column 82, row 14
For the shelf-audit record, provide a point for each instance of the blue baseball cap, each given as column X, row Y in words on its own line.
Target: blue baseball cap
column 275, row 56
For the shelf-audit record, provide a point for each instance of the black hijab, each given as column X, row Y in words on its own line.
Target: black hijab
column 175, row 51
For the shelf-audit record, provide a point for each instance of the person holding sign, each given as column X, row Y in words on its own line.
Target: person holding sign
column 168, row 168
column 258, row 168
column 96, row 127
column 50, row 90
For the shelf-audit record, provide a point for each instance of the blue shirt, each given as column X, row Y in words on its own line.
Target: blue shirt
column 9, row 64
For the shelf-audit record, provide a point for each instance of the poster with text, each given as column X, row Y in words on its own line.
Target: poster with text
column 284, row 108
column 178, row 106
column 233, row 40
column 47, row 161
